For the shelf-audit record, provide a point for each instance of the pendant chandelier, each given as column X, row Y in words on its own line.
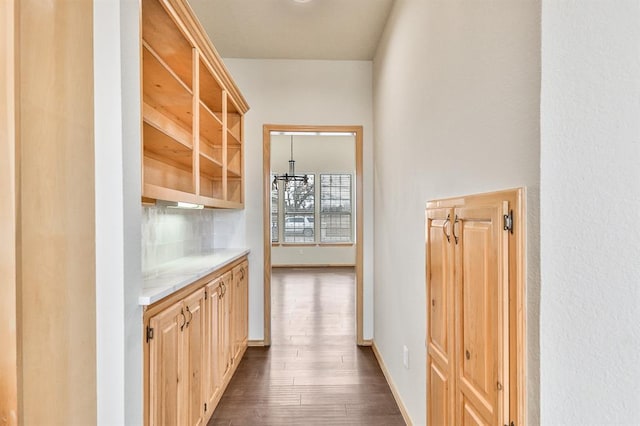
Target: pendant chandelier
column 291, row 176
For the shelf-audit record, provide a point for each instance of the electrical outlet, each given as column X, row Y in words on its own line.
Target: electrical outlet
column 405, row 356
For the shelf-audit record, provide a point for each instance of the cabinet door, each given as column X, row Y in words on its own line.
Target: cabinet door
column 481, row 304
column 244, row 303
column 440, row 368
column 239, row 309
column 224, row 323
column 213, row 379
column 165, row 374
column 194, row 345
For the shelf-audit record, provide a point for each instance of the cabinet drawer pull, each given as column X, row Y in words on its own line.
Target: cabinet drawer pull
column 190, row 317
column 444, row 228
column 184, row 320
column 455, row 222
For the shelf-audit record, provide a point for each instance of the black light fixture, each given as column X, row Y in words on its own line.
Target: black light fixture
column 291, row 176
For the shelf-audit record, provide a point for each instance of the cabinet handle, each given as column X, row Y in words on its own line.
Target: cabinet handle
column 242, row 274
column 190, row 317
column 455, row 222
column 184, row 320
column 444, row 228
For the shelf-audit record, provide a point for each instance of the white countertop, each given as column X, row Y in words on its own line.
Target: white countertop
column 172, row 276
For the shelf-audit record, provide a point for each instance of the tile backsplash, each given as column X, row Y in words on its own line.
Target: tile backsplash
column 169, row 234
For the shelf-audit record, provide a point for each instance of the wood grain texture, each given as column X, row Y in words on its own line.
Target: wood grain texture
column 313, row 373
column 514, row 356
column 8, row 193
column 57, row 231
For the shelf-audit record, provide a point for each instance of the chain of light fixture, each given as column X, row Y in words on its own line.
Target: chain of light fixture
column 291, row 176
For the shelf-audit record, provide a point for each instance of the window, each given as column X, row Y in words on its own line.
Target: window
column 335, row 208
column 299, row 211
column 294, row 209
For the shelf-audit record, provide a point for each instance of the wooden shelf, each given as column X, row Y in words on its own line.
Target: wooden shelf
column 234, row 190
column 210, row 190
column 210, row 126
column 232, row 140
column 210, row 90
column 234, row 162
column 169, row 127
column 163, row 35
column 172, row 176
column 210, row 167
column 164, row 91
column 164, row 148
column 192, row 112
column 234, row 126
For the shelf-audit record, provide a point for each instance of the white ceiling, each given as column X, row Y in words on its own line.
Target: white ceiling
column 285, row 29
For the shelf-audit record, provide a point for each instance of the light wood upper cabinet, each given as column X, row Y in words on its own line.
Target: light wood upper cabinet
column 193, row 113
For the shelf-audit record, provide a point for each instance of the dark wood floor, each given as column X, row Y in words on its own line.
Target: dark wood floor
column 313, row 374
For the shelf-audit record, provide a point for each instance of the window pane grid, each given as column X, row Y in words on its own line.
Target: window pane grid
column 299, row 212
column 335, row 208
column 275, row 231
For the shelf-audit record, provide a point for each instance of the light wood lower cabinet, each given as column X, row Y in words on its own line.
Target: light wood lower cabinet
column 194, row 341
column 240, row 309
column 475, row 329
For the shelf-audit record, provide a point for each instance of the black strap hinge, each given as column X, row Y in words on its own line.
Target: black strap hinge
column 508, row 226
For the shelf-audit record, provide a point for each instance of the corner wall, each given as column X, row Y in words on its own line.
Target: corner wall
column 456, row 110
column 590, row 198
column 299, row 92
column 118, row 325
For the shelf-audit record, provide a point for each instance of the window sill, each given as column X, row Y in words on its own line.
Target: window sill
column 312, row 244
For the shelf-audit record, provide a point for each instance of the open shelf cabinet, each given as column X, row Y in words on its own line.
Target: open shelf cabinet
column 192, row 112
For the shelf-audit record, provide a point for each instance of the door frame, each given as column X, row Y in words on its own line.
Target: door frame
column 9, row 193
column 517, row 286
column 266, row 210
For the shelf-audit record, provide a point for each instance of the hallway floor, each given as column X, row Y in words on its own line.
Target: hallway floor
column 313, row 374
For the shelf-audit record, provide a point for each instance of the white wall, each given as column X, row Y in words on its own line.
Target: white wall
column 299, row 92
column 118, row 211
column 315, row 154
column 590, row 198
column 456, row 110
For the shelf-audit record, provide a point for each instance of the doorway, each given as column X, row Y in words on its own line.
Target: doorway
column 313, row 233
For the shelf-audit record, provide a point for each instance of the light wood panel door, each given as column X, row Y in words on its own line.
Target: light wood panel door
column 481, row 315
column 166, row 376
column 239, row 309
column 439, row 317
column 213, row 378
column 475, row 310
column 225, row 325
column 193, row 346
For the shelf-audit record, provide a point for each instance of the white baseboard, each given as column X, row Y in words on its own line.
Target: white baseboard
column 392, row 386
